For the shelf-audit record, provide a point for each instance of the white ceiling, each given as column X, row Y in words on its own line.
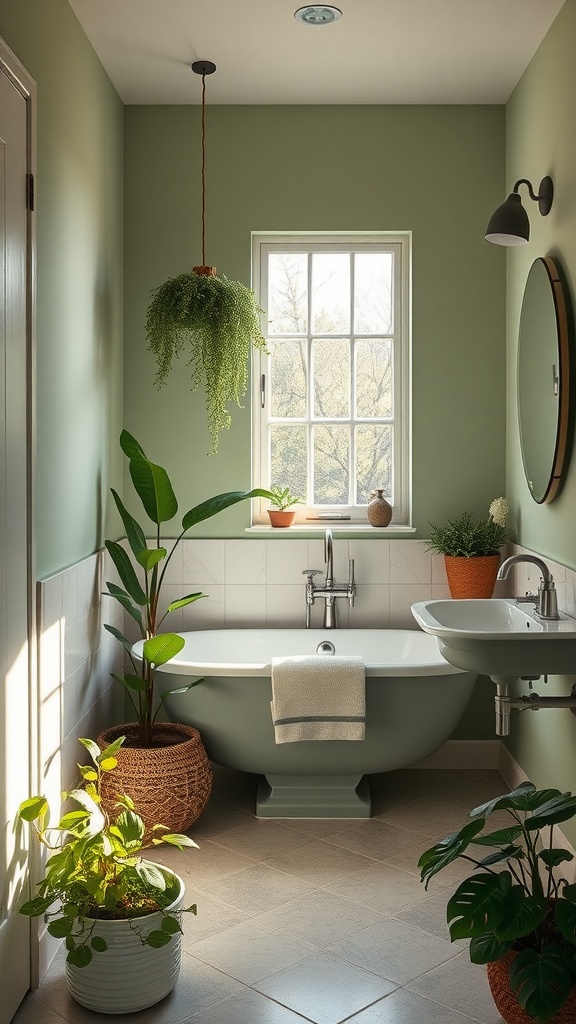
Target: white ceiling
column 380, row 51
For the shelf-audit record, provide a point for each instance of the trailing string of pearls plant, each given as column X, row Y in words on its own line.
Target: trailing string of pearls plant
column 219, row 320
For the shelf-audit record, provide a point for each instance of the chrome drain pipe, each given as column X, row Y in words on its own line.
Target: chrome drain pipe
column 503, row 703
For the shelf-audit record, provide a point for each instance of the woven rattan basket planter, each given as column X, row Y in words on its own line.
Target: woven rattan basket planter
column 472, row 577
column 508, row 1006
column 169, row 783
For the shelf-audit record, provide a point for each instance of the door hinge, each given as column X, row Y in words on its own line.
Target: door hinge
column 30, row 203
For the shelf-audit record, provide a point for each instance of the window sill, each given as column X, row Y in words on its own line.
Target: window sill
column 302, row 529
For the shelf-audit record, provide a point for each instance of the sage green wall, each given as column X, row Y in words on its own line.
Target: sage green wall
column 541, row 140
column 79, row 267
column 435, row 171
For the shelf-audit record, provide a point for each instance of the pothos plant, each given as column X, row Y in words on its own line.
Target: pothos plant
column 219, row 320
column 142, row 570
column 97, row 873
column 514, row 901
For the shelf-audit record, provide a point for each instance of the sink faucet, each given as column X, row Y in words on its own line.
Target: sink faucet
column 546, row 600
column 330, row 590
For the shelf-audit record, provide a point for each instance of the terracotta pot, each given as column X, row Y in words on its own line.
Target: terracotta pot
column 472, row 577
column 129, row 975
column 281, row 518
column 169, row 783
column 508, row 1006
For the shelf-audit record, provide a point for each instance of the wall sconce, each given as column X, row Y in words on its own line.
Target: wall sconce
column 509, row 224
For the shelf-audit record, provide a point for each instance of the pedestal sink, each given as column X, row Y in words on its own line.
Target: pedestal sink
column 499, row 637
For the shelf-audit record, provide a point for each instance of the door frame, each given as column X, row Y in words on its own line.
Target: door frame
column 17, row 74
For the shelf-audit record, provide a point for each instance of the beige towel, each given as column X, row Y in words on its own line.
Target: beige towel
column 319, row 697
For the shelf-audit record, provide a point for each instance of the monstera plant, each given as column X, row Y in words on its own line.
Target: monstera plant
column 517, row 908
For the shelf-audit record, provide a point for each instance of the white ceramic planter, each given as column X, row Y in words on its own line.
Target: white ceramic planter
column 128, row 976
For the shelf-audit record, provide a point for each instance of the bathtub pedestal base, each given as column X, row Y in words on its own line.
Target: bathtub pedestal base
column 313, row 796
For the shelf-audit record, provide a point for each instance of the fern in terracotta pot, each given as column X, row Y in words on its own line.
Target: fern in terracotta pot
column 471, row 550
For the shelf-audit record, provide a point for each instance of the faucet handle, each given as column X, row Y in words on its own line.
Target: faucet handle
column 547, row 605
column 311, row 573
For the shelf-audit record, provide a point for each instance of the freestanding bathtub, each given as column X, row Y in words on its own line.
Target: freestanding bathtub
column 414, row 699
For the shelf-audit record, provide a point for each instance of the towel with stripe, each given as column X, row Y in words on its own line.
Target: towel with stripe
column 318, row 697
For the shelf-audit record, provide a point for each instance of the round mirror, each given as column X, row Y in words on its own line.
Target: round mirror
column 543, row 380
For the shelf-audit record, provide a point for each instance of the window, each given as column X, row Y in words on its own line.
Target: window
column 331, row 400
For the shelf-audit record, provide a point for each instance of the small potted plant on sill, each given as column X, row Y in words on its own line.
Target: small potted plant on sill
column 118, row 913
column 520, row 918
column 471, row 550
column 282, row 514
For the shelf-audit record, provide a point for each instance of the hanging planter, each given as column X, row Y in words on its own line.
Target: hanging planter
column 218, row 319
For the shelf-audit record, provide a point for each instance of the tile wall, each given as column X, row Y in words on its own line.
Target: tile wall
column 261, row 582
column 76, row 696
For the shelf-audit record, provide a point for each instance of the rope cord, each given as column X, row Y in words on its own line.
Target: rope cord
column 203, row 170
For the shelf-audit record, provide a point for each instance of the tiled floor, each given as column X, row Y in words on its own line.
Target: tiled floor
column 313, row 920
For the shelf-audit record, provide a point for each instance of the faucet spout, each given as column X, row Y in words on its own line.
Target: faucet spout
column 514, row 559
column 329, row 558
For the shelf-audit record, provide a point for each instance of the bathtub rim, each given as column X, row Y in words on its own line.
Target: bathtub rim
column 434, row 665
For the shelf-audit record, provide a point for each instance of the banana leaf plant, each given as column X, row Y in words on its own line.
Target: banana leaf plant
column 526, row 905
column 142, row 574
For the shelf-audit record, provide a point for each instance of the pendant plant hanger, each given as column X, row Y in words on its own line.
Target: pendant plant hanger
column 219, row 320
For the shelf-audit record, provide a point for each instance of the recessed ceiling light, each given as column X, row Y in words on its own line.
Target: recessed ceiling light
column 317, row 14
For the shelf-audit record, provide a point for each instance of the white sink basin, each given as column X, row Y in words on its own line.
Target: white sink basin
column 499, row 637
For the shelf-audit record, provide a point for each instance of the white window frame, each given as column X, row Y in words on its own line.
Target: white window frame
column 400, row 245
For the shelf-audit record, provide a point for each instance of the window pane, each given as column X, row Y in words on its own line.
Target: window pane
column 287, row 305
column 331, row 465
column 373, row 293
column 331, row 360
column 330, row 293
column 373, row 461
column 288, row 458
column 288, row 378
column 374, row 377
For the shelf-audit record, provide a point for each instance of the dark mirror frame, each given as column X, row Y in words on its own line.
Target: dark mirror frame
column 560, row 452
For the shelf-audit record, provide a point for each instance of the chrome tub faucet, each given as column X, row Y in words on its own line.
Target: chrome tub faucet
column 329, row 591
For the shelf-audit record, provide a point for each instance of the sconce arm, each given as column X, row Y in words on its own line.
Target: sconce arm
column 544, row 196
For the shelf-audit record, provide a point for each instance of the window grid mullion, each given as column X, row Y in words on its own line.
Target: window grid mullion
column 352, row 389
column 310, row 474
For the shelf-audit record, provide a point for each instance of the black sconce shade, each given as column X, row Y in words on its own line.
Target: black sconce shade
column 509, row 224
